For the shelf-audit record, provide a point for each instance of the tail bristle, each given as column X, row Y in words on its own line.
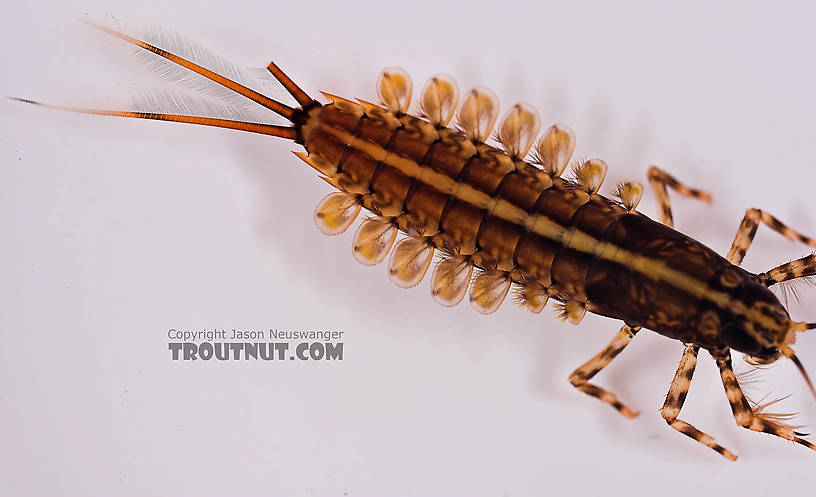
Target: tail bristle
column 273, row 105
column 302, row 98
column 266, row 129
column 220, row 121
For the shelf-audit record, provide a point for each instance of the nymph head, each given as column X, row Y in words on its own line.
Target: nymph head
column 759, row 326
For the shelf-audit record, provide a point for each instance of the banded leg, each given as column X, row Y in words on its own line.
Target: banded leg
column 581, row 376
column 748, row 228
column 677, row 396
column 659, row 179
column 749, row 418
column 806, row 266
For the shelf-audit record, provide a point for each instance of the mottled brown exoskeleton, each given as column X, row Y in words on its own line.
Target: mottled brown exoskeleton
column 520, row 223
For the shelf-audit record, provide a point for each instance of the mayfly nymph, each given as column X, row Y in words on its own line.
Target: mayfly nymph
column 505, row 219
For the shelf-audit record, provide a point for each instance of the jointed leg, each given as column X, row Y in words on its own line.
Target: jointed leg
column 677, row 396
column 753, row 419
column 747, row 230
column 659, row 179
column 581, row 376
column 806, row 266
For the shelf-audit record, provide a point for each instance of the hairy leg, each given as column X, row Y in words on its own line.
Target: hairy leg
column 748, row 228
column 659, row 180
column 581, row 376
column 677, row 396
column 753, row 418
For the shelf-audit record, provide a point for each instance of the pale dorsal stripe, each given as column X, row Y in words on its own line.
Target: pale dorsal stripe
column 543, row 226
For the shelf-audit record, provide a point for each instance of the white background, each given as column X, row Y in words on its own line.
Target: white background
column 114, row 231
